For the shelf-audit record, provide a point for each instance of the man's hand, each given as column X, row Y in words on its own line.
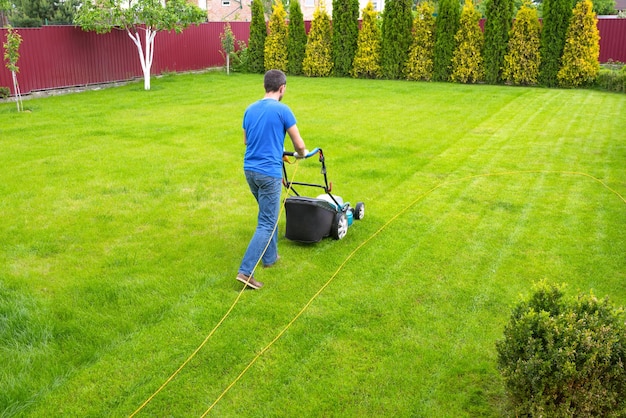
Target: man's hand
column 298, row 155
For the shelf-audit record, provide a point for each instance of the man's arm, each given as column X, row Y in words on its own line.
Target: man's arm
column 296, row 139
column 245, row 138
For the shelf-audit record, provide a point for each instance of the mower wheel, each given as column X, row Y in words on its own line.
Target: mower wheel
column 339, row 228
column 359, row 211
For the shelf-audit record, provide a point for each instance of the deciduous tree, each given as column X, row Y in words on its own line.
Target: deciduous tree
column 136, row 17
column 228, row 44
column 11, row 56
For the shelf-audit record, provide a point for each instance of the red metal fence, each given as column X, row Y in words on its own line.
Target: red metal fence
column 612, row 39
column 65, row 56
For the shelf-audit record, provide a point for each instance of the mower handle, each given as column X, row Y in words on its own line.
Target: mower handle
column 310, row 154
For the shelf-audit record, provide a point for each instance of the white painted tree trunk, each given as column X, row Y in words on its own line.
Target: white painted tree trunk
column 18, row 92
column 145, row 54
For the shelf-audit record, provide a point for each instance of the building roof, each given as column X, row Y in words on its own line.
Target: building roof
column 620, row 4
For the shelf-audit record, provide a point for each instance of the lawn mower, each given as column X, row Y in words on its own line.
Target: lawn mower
column 311, row 219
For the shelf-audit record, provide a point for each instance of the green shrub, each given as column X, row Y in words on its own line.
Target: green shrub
column 420, row 62
column 296, row 39
column 239, row 59
column 366, row 62
column 579, row 64
column 467, row 60
column 276, row 41
column 446, row 27
column 564, row 357
column 256, row 42
column 521, row 63
column 396, row 37
column 345, row 34
column 612, row 80
column 318, row 54
column 4, row 92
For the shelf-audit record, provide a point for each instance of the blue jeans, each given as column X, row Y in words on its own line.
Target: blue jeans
column 266, row 191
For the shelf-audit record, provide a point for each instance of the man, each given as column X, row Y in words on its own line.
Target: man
column 265, row 123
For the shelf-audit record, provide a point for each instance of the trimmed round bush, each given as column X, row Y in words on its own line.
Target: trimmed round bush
column 564, row 357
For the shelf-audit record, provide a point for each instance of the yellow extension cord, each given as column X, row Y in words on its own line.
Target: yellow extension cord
column 325, row 285
column 169, row 379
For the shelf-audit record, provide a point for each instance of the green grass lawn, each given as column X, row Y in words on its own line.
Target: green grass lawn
column 125, row 214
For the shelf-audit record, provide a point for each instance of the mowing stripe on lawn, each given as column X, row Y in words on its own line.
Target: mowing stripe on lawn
column 208, row 337
column 385, row 225
column 334, row 275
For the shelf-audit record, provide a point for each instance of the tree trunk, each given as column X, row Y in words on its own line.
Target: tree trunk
column 145, row 55
column 18, row 93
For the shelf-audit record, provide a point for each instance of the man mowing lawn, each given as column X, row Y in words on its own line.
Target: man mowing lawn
column 265, row 123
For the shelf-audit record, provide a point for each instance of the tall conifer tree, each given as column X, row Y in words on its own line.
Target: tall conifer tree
column 396, row 37
column 367, row 58
column 420, row 63
column 296, row 41
column 467, row 60
column 345, row 31
column 499, row 18
column 276, row 41
column 521, row 62
column 256, row 43
column 556, row 16
column 446, row 26
column 580, row 63
column 318, row 59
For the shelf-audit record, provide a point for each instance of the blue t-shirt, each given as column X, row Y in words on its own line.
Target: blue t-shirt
column 266, row 122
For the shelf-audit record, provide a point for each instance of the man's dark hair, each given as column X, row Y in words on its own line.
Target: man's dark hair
column 273, row 80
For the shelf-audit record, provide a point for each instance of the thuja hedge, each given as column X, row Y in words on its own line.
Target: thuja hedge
column 529, row 58
column 564, row 356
